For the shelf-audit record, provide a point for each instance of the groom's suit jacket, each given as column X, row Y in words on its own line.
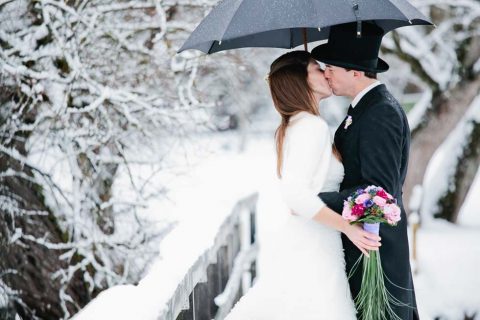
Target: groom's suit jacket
column 374, row 149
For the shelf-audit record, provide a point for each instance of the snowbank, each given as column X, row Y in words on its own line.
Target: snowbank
column 447, row 283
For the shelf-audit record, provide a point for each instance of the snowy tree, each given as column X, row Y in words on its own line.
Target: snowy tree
column 445, row 62
column 93, row 97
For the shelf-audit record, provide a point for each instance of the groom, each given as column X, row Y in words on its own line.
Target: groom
column 373, row 141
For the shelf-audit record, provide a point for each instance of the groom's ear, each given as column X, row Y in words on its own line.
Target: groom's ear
column 358, row 74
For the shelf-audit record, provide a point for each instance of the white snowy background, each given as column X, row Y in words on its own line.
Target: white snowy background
column 185, row 137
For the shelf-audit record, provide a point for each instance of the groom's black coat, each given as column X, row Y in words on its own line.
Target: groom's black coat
column 374, row 151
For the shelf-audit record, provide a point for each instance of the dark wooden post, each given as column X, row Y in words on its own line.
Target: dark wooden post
column 253, row 235
column 187, row 314
column 202, row 302
column 231, row 254
column 213, row 286
column 223, row 266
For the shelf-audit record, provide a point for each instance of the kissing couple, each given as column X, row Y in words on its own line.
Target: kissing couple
column 316, row 248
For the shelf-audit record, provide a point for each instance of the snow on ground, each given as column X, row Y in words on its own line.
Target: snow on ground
column 448, row 280
column 446, row 285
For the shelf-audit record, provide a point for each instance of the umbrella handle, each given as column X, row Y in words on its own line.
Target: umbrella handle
column 305, row 42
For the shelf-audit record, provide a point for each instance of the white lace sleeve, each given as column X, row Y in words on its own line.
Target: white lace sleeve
column 307, row 156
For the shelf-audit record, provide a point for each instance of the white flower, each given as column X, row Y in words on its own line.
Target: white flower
column 348, row 122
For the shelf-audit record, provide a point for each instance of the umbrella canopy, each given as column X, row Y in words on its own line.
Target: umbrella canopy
column 236, row 24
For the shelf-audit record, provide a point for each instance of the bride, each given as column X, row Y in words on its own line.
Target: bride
column 307, row 280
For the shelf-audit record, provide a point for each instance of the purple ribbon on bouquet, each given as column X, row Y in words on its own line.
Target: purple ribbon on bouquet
column 372, row 227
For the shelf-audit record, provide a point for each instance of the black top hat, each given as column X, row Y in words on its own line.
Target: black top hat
column 344, row 49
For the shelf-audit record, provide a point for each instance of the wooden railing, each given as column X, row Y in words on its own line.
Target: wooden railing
column 223, row 273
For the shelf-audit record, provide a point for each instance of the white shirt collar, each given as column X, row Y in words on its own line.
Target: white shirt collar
column 364, row 92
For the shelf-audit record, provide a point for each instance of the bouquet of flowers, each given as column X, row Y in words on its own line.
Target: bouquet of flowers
column 373, row 206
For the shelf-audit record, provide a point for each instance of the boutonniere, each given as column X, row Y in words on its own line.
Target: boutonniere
column 348, row 122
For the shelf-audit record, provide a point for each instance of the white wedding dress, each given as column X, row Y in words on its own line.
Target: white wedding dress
column 306, row 277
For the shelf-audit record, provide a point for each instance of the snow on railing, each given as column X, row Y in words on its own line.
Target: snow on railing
column 216, row 275
column 204, row 286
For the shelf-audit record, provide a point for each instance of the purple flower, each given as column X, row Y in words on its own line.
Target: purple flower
column 368, row 203
column 362, row 198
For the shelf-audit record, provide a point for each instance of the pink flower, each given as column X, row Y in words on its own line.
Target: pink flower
column 347, row 212
column 362, row 198
column 358, row 210
column 392, row 213
column 382, row 194
column 379, row 201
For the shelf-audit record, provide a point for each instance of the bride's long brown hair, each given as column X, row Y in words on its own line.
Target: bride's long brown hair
column 290, row 92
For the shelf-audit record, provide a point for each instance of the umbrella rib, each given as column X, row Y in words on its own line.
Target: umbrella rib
column 211, row 47
column 291, row 38
column 231, row 19
column 398, row 9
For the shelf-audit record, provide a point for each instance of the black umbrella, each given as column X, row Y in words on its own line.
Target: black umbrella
column 236, row 24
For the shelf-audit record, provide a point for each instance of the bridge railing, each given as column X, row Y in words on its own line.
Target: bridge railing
column 223, row 273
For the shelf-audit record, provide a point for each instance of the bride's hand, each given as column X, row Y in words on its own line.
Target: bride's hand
column 362, row 239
